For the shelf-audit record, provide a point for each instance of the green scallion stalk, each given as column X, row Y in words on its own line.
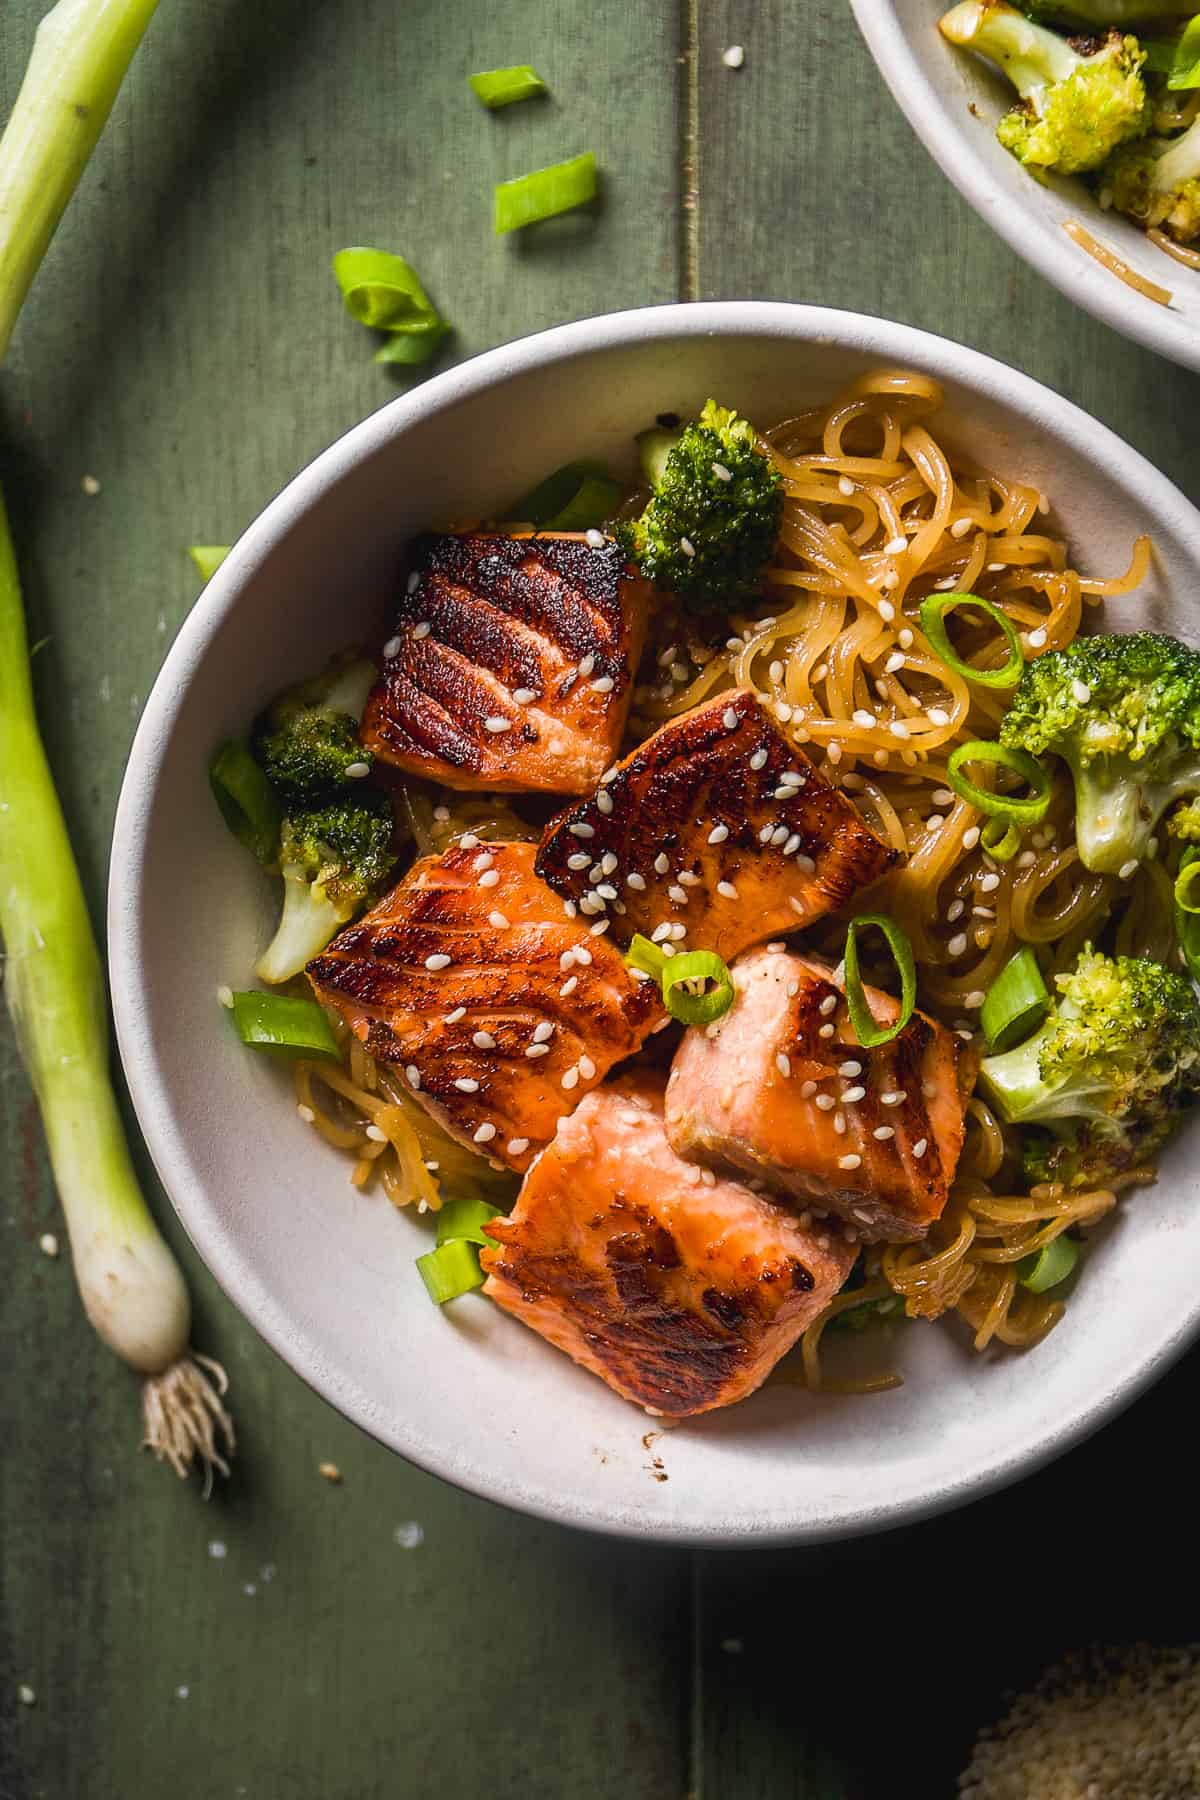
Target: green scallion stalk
column 81, row 51
column 545, row 192
column 280, row 1023
column 502, row 87
column 1015, row 809
column 1049, row 1266
column 867, row 1029
column 248, row 803
column 208, row 558
column 450, row 1270
column 933, row 623
column 1016, row 1003
column 130, row 1284
column 465, row 1219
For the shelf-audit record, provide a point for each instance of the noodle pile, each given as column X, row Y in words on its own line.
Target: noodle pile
column 878, row 515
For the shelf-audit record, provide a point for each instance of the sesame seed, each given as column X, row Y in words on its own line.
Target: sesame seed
column 358, row 770
column 957, row 945
column 775, row 672
column 441, row 814
column 920, row 1147
column 934, row 822
column 688, row 878
column 687, row 546
column 845, row 486
column 792, row 844
column 595, row 538
column 783, row 712
column 587, row 1068
column 1128, row 869
column 852, row 1095
column 827, row 1031
column 423, row 629
column 413, row 582
column 607, row 891
column 582, row 956
column 517, row 1146
column 604, row 684
column 677, row 894
column 848, row 1069
column 758, row 760
column 835, row 752
column 483, row 1040
column 783, row 1064
column 820, row 672
column 988, row 884
column 883, row 1133
column 839, row 1123
column 466, row 1085
column 586, row 665
column 898, row 728
column 580, row 830
column 468, row 841
column 828, row 1005
column 570, row 1078
column 496, row 725
column 727, row 890
column 942, row 797
column 307, row 1114
column 490, row 878
column 895, row 546
column 905, row 639
column 865, row 718
column 944, row 587
column 1037, row 638
column 661, row 863
column 225, row 995
column 485, row 1133
column 849, row 1162
column 937, row 716
column 825, row 1102
column 578, row 860
column 718, row 834
column 413, row 1075
column 807, row 1090
column 604, row 802
column 483, row 862
column 1027, row 859
column 391, row 648
column 975, row 999
column 636, row 882
column 806, row 864
column 733, row 58
column 735, row 644
column 435, row 963
column 729, row 719
column 1081, row 691
column 533, row 1051
column 568, row 987
column 887, row 611
column 895, row 1098
column 970, row 837
column 960, row 528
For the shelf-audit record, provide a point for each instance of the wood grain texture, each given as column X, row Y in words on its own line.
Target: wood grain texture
column 186, row 345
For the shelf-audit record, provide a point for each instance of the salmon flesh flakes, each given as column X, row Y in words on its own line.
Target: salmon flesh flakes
column 511, row 664
column 471, row 1000
column 726, row 820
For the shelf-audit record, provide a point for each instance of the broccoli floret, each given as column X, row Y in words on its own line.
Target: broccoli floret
column 713, row 521
column 1184, row 822
column 307, row 739
column 1107, row 1075
column 1075, row 109
column 1157, row 182
column 1124, row 714
column 333, row 859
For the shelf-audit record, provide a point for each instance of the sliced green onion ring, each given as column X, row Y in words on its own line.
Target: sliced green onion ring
column 867, row 1029
column 465, row 1219
column 1016, row 1003
column 1187, row 924
column 1187, row 893
column 696, row 965
column 381, row 290
column 1046, row 1267
column 247, row 800
column 450, row 1270
column 279, row 1022
column 545, row 192
column 208, row 558
column 1001, row 839
column 933, row 623
column 1017, row 810
column 501, row 87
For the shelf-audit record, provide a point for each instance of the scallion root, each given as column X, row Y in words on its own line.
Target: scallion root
column 184, row 1420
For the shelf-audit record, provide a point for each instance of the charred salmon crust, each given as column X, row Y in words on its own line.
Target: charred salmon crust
column 680, row 1295
column 872, row 1135
column 719, row 824
column 511, row 664
column 502, row 1011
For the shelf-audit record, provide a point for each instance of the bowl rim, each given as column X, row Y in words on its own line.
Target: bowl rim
column 781, row 322
column 1065, row 265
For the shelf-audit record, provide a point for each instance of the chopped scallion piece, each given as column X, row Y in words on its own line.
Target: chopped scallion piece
column 1185, row 64
column 647, row 957
column 412, row 344
column 381, row 290
column 592, row 502
column 450, row 1270
column 545, row 192
column 501, row 87
column 1187, row 895
column 208, row 558
column 246, row 799
column 933, row 623
column 1000, row 839
column 1016, row 1003
column 869, row 1032
column 1187, row 923
column 1046, row 1267
column 1016, row 809
column 278, row 1022
column 465, row 1219
column 558, row 496
column 696, row 1008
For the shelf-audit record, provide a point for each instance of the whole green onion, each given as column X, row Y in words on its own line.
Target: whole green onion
column 281, row 1023
column 1015, row 810
column 1016, row 1003
column 129, row 1282
column 1047, row 1267
column 247, row 800
column 450, row 1270
column 545, row 192
column 696, row 1008
column 869, row 1033
column 501, row 87
column 465, row 1219
column 933, row 623
column 208, row 558
column 1001, row 839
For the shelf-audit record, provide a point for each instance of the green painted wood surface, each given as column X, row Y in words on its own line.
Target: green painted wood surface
column 185, row 346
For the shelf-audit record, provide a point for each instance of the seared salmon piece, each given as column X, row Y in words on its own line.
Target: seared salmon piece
column 717, row 828
column 501, row 1010
column 512, row 663
column 681, row 1291
column 782, row 1090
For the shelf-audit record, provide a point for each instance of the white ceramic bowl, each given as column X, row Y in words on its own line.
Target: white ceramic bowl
column 327, row 1274
column 953, row 100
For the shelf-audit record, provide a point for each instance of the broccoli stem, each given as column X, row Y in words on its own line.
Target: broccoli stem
column 1117, row 811
column 80, row 54
column 306, row 924
column 1032, row 56
column 1013, row 1080
column 1180, row 163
